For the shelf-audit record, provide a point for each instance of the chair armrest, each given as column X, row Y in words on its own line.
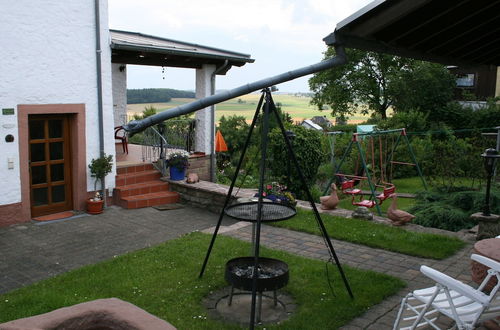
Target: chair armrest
column 490, row 263
column 453, row 284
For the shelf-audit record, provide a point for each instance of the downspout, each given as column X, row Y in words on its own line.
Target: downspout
column 213, row 164
column 98, row 53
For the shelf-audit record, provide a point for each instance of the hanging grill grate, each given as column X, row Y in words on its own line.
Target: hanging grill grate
column 270, row 211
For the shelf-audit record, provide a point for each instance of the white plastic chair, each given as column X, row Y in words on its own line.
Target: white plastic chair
column 460, row 302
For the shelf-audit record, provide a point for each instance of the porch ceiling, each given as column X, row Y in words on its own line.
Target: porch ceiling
column 142, row 49
column 459, row 32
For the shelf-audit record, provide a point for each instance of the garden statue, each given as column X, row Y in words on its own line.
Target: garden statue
column 192, row 178
column 330, row 202
column 399, row 217
column 362, row 212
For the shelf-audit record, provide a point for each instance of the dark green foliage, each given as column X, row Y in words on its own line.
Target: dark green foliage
column 155, row 95
column 413, row 121
column 100, row 167
column 442, row 216
column 234, row 129
column 348, row 128
column 452, row 210
column 147, row 112
column 307, row 147
column 424, row 86
column 366, row 78
column 490, row 116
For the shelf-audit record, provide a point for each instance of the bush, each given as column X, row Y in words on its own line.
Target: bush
column 307, row 148
column 452, row 211
column 442, row 216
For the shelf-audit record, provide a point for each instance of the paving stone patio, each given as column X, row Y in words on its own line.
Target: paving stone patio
column 35, row 251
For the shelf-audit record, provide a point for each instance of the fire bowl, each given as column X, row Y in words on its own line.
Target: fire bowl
column 273, row 273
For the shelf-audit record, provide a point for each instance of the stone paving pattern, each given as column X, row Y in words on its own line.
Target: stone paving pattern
column 34, row 251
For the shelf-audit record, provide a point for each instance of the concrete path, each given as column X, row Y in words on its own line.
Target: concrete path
column 35, row 251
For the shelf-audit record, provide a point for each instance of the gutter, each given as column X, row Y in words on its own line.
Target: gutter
column 98, row 52
column 213, row 164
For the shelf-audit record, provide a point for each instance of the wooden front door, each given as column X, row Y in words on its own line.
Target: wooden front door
column 50, row 165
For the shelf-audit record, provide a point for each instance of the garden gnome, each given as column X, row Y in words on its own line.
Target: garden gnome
column 399, row 217
column 192, row 178
column 330, row 202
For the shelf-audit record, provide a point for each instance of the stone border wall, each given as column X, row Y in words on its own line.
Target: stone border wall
column 206, row 194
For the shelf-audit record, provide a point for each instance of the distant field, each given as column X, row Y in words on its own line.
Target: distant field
column 297, row 106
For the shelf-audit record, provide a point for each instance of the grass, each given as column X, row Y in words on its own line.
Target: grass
column 376, row 235
column 163, row 280
column 297, row 106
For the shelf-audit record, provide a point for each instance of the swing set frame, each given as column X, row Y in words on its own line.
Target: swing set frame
column 375, row 200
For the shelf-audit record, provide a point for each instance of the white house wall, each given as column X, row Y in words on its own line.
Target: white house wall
column 119, row 79
column 48, row 57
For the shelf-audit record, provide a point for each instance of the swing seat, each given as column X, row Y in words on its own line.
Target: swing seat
column 348, row 188
column 366, row 203
column 388, row 191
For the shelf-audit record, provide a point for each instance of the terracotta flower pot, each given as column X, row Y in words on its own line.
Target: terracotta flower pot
column 94, row 207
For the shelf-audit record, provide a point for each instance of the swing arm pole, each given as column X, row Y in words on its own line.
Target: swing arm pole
column 337, row 169
column 415, row 161
column 137, row 126
column 372, row 188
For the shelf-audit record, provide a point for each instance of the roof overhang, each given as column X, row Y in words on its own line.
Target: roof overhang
column 458, row 32
column 142, row 49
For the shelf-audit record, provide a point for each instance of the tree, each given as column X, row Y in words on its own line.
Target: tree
column 234, row 129
column 380, row 81
column 426, row 87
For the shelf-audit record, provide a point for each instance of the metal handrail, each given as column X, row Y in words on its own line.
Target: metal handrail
column 155, row 144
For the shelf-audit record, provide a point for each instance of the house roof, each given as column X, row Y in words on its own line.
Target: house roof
column 459, row 32
column 137, row 48
column 309, row 123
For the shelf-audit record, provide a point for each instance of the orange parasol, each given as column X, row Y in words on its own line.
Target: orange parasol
column 220, row 144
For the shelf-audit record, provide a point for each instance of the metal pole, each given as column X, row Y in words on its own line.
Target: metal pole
column 311, row 201
column 263, row 147
column 138, row 126
column 370, row 183
column 230, row 192
column 419, row 171
column 344, row 156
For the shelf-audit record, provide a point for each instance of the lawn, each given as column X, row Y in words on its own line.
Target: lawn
column 164, row 281
column 376, row 235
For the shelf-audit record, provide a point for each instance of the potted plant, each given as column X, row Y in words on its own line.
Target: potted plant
column 99, row 168
column 278, row 193
column 177, row 161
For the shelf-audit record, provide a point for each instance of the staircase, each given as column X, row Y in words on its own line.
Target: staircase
column 140, row 186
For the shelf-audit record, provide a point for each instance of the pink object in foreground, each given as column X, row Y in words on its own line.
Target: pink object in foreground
column 111, row 313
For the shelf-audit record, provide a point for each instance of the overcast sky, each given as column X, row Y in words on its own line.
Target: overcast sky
column 281, row 35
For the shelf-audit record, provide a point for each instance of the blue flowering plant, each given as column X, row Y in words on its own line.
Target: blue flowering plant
column 178, row 159
column 278, row 193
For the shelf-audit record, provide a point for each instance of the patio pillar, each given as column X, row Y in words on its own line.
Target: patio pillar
column 204, row 132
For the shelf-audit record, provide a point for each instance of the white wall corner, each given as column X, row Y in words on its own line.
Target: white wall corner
column 119, row 81
column 203, row 117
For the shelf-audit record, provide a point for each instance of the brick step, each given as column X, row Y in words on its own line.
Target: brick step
column 127, row 169
column 140, row 188
column 137, row 177
column 151, row 199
